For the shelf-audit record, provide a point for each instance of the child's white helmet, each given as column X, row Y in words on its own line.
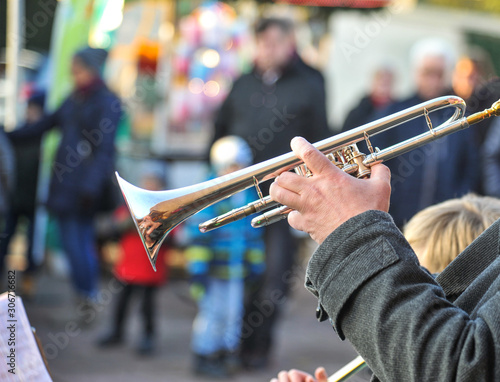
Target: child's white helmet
column 230, row 151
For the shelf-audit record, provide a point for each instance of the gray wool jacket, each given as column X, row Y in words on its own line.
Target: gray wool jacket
column 406, row 324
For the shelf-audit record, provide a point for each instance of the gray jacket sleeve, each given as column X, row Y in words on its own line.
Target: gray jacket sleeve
column 368, row 280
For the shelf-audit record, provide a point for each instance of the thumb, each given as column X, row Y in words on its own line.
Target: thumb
column 321, row 375
column 312, row 157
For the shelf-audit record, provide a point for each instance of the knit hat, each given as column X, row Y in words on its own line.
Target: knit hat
column 92, row 58
column 37, row 99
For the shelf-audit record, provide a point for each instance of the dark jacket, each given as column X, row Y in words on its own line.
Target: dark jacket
column 441, row 170
column 7, row 171
column 268, row 116
column 85, row 157
column 23, row 199
column 490, row 168
column 362, row 113
column 407, row 325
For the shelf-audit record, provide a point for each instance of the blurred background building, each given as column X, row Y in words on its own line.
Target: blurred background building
column 172, row 62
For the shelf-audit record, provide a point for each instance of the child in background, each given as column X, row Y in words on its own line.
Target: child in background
column 439, row 233
column 135, row 272
column 219, row 262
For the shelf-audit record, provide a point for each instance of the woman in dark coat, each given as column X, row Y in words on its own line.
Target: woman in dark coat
column 84, row 162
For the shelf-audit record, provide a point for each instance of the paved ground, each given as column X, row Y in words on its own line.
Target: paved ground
column 302, row 342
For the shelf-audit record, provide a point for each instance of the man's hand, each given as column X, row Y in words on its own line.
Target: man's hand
column 300, row 376
column 330, row 197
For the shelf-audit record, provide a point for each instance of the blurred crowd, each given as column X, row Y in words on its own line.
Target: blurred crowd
column 238, row 275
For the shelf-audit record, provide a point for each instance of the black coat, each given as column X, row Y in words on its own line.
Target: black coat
column 360, row 114
column 84, row 160
column 268, row 116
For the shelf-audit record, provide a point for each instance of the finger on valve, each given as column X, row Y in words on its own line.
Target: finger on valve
column 316, row 161
column 283, row 195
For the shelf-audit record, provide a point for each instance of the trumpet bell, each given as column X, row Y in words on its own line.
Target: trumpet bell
column 156, row 213
column 138, row 207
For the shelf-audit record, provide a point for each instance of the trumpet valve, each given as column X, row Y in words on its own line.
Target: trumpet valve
column 337, row 160
column 351, row 169
column 302, row 170
column 356, row 157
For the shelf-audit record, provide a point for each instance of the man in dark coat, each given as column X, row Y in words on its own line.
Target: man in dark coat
column 84, row 162
column 280, row 98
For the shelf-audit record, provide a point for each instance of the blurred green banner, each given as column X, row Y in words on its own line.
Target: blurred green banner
column 489, row 6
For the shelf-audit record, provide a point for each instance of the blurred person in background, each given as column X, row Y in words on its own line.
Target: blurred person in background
column 487, row 132
column 490, row 161
column 440, row 170
column 437, row 234
column 280, row 98
column 474, row 80
column 380, row 96
column 466, row 77
column 220, row 262
column 7, row 169
column 84, row 162
column 23, row 196
column 483, row 97
column 134, row 271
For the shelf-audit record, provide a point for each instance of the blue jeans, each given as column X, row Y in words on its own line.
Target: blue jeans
column 217, row 327
column 78, row 241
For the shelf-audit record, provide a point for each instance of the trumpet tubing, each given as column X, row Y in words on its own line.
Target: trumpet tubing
column 156, row 213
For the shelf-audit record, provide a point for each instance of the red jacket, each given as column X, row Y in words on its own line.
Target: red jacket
column 134, row 267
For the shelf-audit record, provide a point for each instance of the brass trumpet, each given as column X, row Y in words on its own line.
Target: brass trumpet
column 156, row 213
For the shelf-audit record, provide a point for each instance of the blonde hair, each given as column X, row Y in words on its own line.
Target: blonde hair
column 440, row 232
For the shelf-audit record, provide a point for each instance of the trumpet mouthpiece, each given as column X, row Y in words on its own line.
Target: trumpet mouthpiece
column 496, row 108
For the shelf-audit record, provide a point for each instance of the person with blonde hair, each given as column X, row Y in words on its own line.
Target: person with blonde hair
column 440, row 232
